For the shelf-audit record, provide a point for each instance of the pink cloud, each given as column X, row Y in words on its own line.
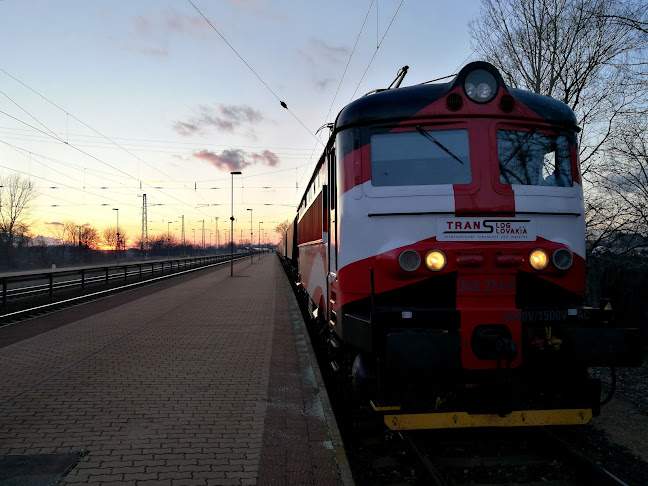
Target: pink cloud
column 237, row 159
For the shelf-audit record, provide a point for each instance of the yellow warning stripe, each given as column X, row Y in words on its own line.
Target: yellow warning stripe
column 451, row 420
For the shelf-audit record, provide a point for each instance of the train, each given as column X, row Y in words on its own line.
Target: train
column 440, row 245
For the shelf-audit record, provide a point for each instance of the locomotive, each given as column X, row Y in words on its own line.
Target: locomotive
column 441, row 245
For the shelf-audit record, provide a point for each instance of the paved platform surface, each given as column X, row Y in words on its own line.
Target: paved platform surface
column 208, row 381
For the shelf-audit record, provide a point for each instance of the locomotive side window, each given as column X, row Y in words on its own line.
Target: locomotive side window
column 422, row 157
column 535, row 159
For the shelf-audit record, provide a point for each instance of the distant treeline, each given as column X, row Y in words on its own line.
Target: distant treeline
column 623, row 279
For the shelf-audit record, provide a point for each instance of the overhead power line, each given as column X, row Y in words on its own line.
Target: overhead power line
column 164, row 143
column 282, row 103
column 83, row 123
column 310, row 159
column 349, row 61
column 377, row 47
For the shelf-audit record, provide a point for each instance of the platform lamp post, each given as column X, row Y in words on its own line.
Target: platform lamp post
column 232, row 226
column 117, row 235
column 251, row 238
column 260, row 239
column 169, row 223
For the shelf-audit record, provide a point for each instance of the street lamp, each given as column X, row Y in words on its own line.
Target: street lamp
column 260, row 239
column 117, row 242
column 169, row 239
column 251, row 237
column 232, row 226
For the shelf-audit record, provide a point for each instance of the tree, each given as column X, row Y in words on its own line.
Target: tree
column 283, row 227
column 72, row 234
column 157, row 244
column 90, row 237
column 110, row 238
column 576, row 51
column 627, row 171
column 591, row 56
column 17, row 194
column 65, row 232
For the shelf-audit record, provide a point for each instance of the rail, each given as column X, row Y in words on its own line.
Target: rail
column 540, row 455
column 26, row 286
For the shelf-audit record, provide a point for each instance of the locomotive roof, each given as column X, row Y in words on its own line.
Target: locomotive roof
column 401, row 103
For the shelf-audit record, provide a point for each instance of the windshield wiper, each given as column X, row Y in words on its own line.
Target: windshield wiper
column 439, row 144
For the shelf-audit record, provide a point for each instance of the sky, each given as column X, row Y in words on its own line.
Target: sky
column 103, row 102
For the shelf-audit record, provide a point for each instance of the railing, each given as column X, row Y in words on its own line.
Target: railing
column 31, row 285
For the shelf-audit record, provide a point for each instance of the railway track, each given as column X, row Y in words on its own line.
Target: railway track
column 477, row 457
column 529, row 457
column 41, row 298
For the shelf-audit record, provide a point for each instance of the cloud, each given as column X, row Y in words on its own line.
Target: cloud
column 224, row 118
column 237, row 159
column 154, row 52
column 246, row 3
column 186, row 129
column 169, row 22
column 265, row 158
column 54, row 223
column 319, row 50
column 142, row 25
column 323, row 84
column 156, row 30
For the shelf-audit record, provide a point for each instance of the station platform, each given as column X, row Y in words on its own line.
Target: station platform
column 203, row 379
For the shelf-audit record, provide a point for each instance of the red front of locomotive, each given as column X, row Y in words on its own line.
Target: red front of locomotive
column 457, row 254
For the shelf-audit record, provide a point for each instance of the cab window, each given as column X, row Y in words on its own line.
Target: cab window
column 420, row 157
column 535, row 159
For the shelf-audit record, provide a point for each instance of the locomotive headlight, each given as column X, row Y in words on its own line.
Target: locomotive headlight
column 435, row 260
column 409, row 260
column 562, row 258
column 470, row 90
column 484, row 91
column 538, row 259
column 480, row 86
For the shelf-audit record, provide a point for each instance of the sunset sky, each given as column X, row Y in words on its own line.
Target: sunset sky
column 102, row 102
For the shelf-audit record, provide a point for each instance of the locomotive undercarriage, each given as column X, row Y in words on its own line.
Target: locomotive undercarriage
column 416, row 371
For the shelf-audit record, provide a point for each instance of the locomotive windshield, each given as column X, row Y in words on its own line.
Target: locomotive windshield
column 534, row 159
column 420, row 158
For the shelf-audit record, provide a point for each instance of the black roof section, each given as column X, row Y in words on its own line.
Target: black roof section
column 401, row 103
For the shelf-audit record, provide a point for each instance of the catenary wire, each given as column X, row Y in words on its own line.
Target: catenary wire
column 376, row 51
column 283, row 104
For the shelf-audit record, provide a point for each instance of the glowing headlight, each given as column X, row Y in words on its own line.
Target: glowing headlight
column 409, row 260
column 480, row 86
column 562, row 258
column 435, row 260
column 538, row 259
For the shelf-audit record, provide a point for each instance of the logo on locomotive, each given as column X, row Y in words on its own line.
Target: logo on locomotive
column 486, row 229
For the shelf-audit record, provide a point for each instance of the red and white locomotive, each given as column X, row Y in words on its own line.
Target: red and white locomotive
column 441, row 240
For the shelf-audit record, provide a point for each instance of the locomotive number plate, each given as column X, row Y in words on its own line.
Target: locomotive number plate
column 486, row 286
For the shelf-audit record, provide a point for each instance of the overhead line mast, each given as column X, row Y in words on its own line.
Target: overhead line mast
column 144, row 240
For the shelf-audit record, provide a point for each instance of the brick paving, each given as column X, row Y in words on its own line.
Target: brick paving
column 205, row 382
